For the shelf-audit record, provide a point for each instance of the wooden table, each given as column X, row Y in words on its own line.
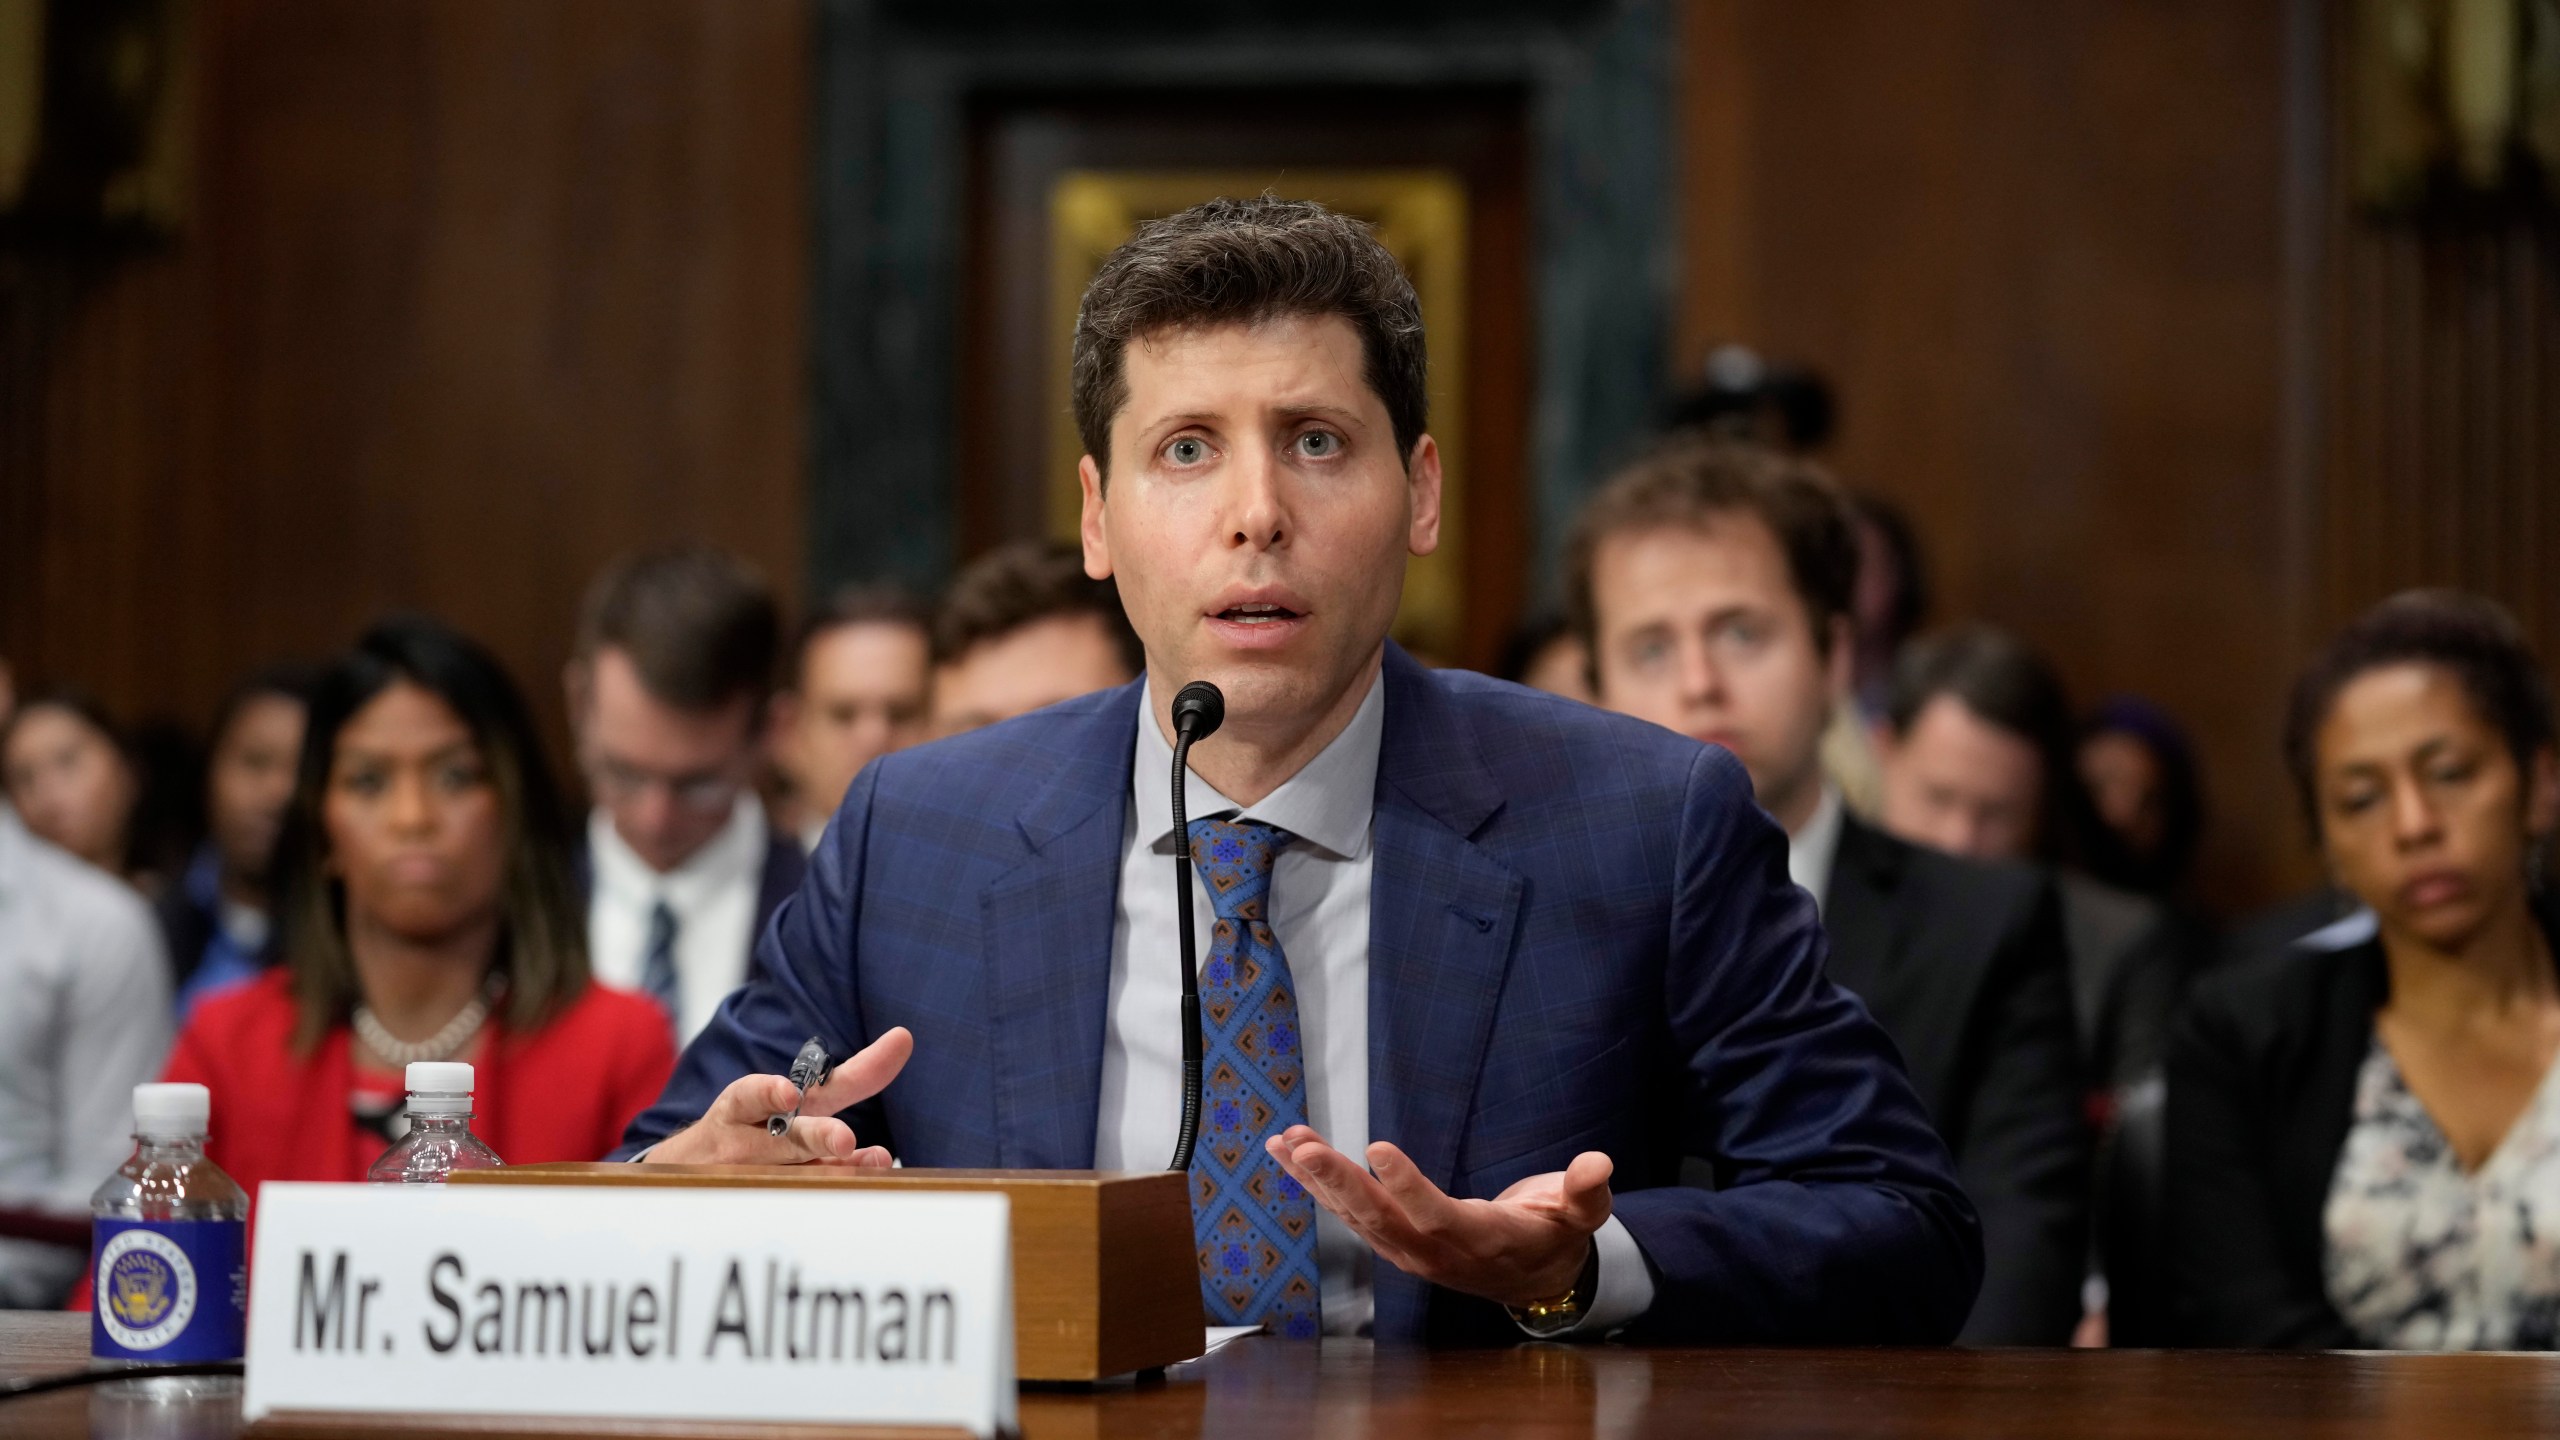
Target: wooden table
column 1264, row 1387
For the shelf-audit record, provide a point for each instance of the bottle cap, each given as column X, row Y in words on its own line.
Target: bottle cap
column 439, row 1077
column 171, row 1109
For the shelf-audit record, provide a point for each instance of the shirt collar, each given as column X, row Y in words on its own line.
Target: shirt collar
column 13, row 840
column 1813, row 847
column 1328, row 804
column 731, row 855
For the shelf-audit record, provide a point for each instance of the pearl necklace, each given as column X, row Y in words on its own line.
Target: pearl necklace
column 442, row 1045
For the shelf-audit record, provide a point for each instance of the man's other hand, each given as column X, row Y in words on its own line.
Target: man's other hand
column 1526, row 1245
column 732, row 1131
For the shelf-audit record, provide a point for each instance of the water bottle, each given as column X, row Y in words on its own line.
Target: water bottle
column 439, row 1141
column 168, row 1258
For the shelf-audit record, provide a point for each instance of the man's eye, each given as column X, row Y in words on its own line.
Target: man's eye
column 1319, row 444
column 1741, row 634
column 1187, row 451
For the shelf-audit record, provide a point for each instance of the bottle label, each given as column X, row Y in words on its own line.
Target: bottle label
column 170, row 1290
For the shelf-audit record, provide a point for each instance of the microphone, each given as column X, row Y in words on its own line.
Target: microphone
column 1198, row 711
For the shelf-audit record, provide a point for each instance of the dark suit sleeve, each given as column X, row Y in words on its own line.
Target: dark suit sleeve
column 2231, row 1280
column 1837, row 1218
column 2026, row 1147
column 801, row 983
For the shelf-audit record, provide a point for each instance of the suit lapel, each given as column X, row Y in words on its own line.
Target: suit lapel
column 1858, row 912
column 1442, row 916
column 1046, row 941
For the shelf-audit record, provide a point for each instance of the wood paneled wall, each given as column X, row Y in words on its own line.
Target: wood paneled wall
column 2441, row 388
column 2102, row 318
column 2039, row 250
column 472, row 295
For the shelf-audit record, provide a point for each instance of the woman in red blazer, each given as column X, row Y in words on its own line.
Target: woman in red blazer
column 427, row 914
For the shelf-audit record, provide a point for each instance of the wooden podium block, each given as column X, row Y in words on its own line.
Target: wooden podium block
column 1105, row 1279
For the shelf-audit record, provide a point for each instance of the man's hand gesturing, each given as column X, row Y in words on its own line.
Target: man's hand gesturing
column 1526, row 1245
column 732, row 1131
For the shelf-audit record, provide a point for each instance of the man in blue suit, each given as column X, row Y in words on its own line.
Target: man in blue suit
column 1535, row 952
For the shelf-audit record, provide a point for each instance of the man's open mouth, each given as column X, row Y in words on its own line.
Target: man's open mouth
column 1257, row 614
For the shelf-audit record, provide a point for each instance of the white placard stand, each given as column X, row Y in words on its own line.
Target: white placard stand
column 659, row 1305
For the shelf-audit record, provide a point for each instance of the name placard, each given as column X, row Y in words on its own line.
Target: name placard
column 659, row 1304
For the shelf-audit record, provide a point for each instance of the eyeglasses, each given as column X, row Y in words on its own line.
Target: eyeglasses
column 617, row 784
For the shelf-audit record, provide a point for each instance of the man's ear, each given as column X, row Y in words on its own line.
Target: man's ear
column 1097, row 545
column 1840, row 660
column 1422, row 479
column 781, row 727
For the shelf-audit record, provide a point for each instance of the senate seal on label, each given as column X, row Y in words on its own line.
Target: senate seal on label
column 146, row 1289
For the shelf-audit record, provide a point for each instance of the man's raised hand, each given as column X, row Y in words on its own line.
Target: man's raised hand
column 1525, row 1245
column 732, row 1131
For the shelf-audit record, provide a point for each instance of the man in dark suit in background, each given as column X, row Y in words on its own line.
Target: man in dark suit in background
column 667, row 691
column 1712, row 583
column 1977, row 761
column 1538, row 953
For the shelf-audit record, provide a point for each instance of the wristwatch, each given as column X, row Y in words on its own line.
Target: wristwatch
column 1547, row 1318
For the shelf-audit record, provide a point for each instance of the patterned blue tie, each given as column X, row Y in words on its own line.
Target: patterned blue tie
column 1255, row 1226
column 658, row 964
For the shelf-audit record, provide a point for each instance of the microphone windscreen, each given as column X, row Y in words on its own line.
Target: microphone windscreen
column 1198, row 710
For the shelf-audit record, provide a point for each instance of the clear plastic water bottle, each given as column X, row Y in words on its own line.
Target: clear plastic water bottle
column 439, row 1141
column 168, row 1257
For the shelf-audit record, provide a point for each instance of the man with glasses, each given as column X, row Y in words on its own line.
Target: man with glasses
column 667, row 691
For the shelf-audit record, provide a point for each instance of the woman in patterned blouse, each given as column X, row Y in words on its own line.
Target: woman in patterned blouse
column 2364, row 1133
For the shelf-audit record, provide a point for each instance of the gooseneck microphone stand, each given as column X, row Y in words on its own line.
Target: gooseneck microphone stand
column 1198, row 710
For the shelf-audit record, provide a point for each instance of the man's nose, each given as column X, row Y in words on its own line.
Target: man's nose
column 1256, row 512
column 1701, row 679
column 649, row 808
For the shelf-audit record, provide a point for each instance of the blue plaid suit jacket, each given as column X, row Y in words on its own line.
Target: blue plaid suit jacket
column 1582, row 937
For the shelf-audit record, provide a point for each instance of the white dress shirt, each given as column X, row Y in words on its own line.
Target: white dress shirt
column 713, row 895
column 1320, row 897
column 84, row 1017
column 1811, row 849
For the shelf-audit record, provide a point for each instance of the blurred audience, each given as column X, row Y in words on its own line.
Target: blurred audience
column 668, row 690
column 862, row 669
column 426, row 913
column 1713, row 582
column 2140, row 773
column 2364, row 1146
column 84, row 1017
column 72, row 778
column 1893, row 598
column 218, row 918
column 1977, row 756
column 1545, row 654
column 1023, row 626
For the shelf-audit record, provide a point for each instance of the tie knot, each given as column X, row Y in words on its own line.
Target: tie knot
column 662, row 925
column 1234, row 860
